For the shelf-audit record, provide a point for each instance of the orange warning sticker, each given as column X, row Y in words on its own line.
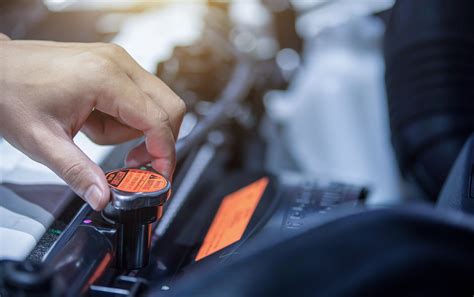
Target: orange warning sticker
column 232, row 218
column 136, row 180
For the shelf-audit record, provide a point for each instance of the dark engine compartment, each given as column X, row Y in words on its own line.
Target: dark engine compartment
column 235, row 227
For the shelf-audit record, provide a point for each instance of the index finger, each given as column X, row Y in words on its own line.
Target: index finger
column 124, row 100
column 151, row 85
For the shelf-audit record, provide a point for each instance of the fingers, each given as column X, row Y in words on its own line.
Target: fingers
column 153, row 87
column 140, row 156
column 104, row 129
column 86, row 179
column 161, row 154
column 162, row 95
column 131, row 106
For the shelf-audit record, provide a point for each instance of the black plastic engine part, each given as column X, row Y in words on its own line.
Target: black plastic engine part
column 429, row 51
column 458, row 191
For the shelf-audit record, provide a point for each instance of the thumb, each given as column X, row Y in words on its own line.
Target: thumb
column 84, row 177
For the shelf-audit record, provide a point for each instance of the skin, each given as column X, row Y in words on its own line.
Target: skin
column 50, row 91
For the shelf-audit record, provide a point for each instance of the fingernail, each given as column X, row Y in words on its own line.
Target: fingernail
column 93, row 195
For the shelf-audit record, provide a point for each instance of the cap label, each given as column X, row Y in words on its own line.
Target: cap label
column 136, row 180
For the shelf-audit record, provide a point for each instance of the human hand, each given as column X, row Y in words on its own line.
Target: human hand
column 50, row 91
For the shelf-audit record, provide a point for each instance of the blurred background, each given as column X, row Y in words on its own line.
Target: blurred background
column 320, row 85
column 358, row 103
